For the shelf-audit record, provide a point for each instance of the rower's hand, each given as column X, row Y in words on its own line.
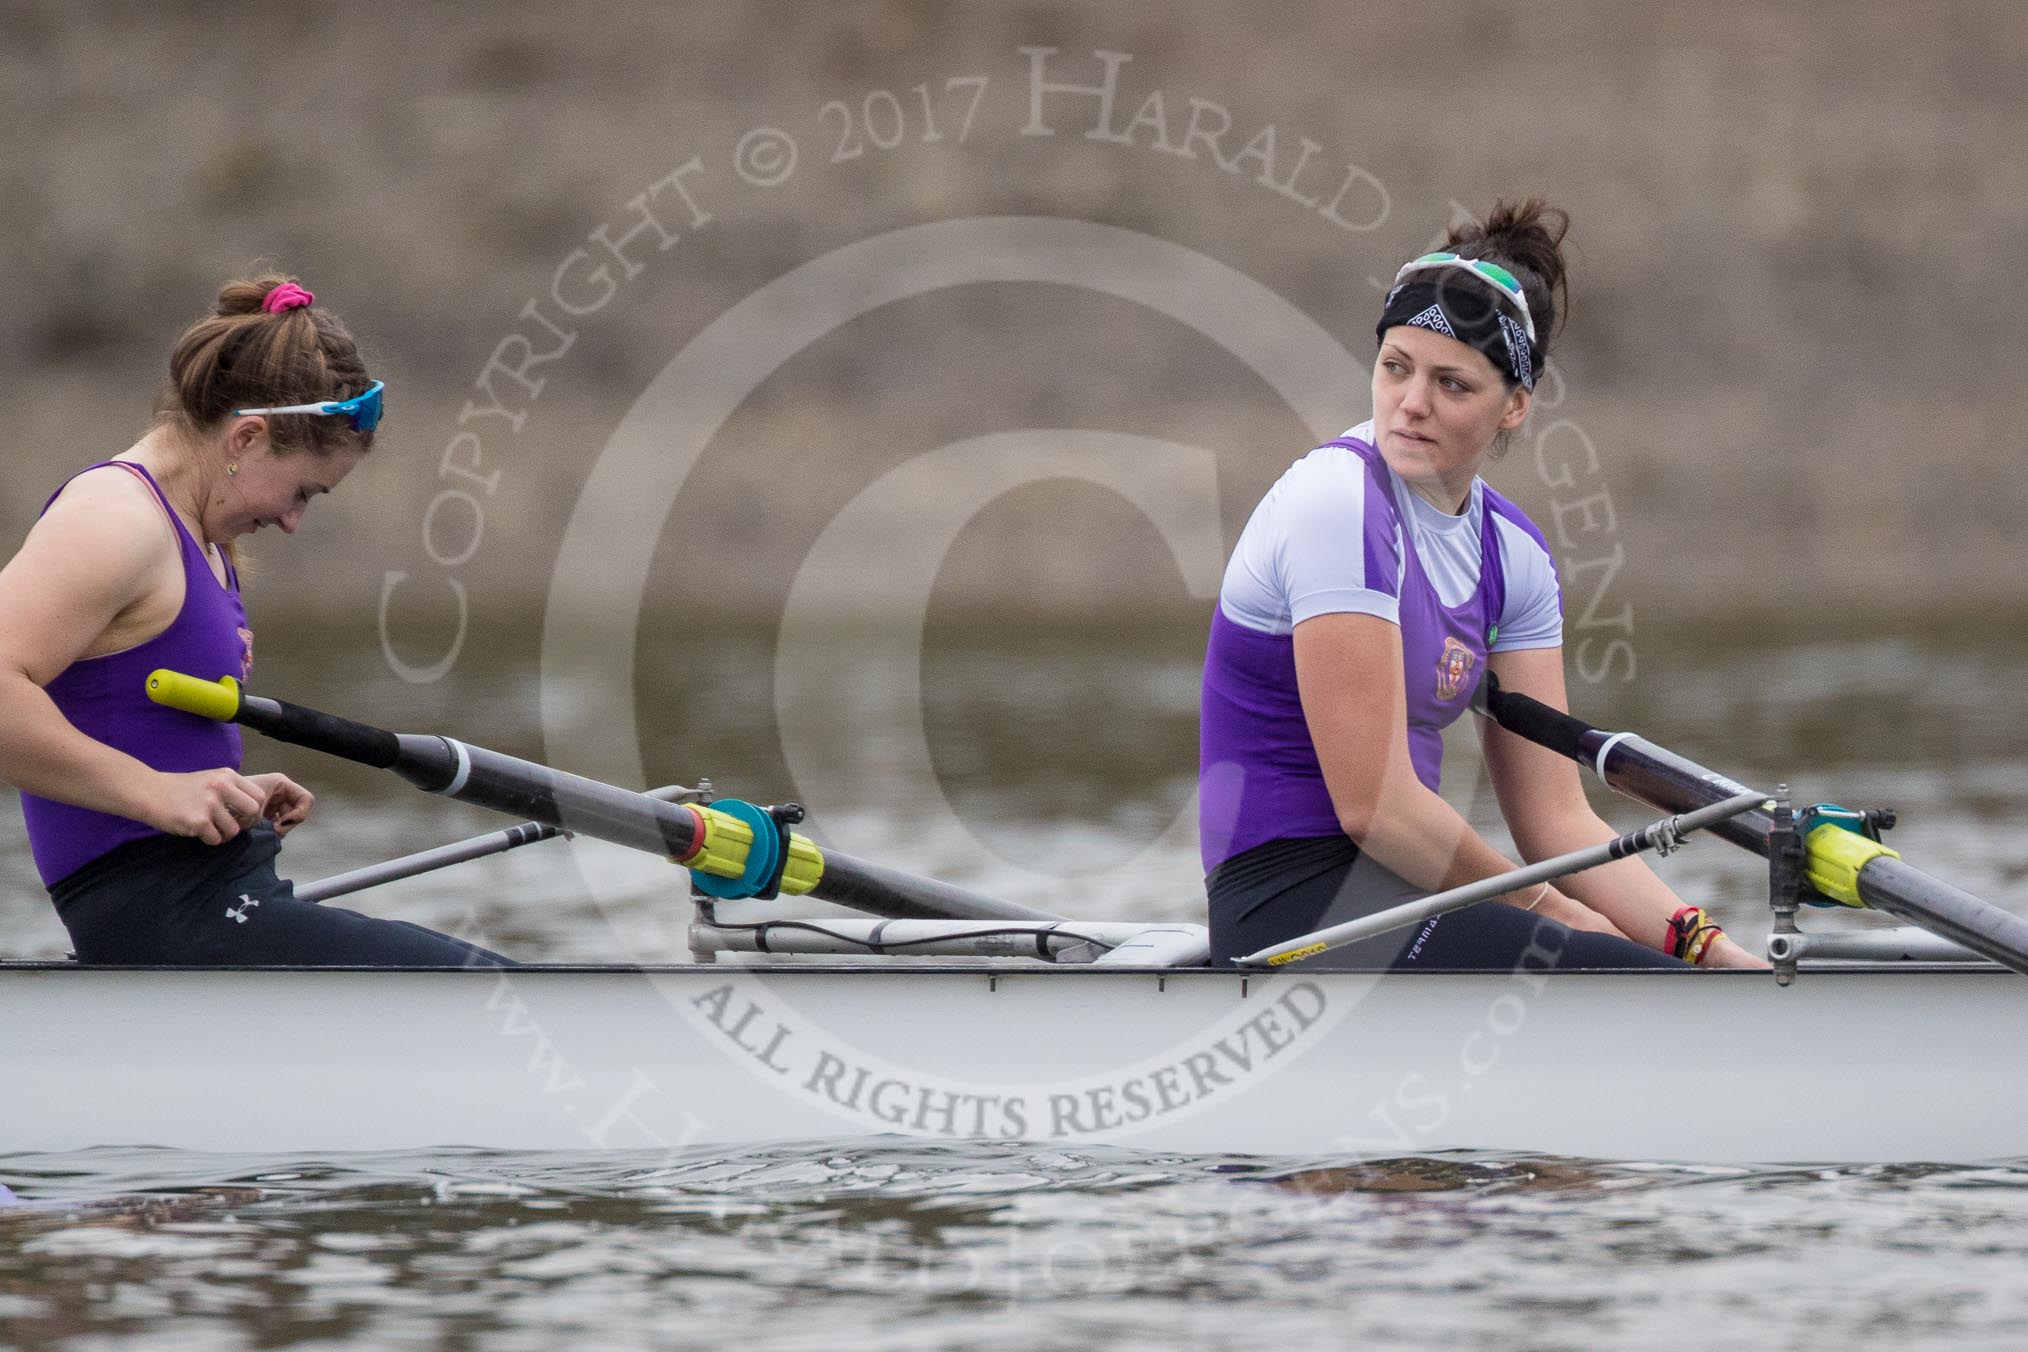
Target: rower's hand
column 208, row 805
column 288, row 803
column 1725, row 953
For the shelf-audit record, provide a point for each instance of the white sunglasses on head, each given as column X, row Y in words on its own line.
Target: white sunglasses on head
column 1505, row 282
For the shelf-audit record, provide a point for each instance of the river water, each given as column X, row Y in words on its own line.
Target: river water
column 1052, row 768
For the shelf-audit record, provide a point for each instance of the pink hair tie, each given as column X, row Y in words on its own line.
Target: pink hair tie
column 287, row 296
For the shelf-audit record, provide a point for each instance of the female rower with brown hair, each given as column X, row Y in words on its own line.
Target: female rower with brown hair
column 154, row 845
column 1375, row 586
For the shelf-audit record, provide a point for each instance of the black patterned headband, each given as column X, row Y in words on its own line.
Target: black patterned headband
column 1463, row 301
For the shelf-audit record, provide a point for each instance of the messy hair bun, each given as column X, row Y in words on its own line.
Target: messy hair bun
column 1526, row 238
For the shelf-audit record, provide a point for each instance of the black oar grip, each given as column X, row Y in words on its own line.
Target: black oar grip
column 320, row 731
column 1531, row 718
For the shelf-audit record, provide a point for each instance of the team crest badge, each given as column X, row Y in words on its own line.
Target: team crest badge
column 1454, row 664
column 245, row 652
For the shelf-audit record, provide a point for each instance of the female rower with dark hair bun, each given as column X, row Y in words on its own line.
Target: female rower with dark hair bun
column 1374, row 587
column 154, row 845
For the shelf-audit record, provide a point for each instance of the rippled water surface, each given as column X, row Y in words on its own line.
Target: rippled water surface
column 1052, row 769
column 1002, row 1247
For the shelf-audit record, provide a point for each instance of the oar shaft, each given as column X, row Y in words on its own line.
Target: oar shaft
column 1631, row 765
column 490, row 779
column 1663, row 779
column 1887, row 884
column 483, row 778
column 879, row 890
column 473, row 774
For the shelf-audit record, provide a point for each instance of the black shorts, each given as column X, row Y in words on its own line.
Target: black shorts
column 170, row 902
column 1285, row 888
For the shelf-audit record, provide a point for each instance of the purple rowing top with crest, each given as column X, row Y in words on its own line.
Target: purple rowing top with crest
column 1340, row 532
column 105, row 698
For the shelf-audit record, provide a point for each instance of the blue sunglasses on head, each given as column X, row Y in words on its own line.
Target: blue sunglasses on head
column 361, row 410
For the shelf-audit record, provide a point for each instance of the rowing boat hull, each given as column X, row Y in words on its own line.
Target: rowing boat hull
column 1846, row 1065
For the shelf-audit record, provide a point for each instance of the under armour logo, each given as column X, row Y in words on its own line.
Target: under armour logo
column 246, row 903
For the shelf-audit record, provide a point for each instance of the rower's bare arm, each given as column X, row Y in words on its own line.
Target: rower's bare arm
column 94, row 558
column 1543, row 802
column 1348, row 673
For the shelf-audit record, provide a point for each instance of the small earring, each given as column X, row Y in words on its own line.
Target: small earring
column 233, row 468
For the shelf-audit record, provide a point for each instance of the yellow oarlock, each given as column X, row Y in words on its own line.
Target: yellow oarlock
column 727, row 841
column 1835, row 858
column 723, row 849
column 217, row 699
column 805, row 868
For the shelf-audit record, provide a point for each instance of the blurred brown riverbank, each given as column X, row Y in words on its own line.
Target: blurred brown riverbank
column 1792, row 361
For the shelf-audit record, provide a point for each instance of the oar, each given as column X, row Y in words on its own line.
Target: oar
column 726, row 840
column 1664, row 835
column 1841, row 865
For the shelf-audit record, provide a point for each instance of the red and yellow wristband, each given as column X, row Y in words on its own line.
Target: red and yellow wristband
column 1691, row 933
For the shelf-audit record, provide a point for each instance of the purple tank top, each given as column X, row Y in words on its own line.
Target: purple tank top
column 105, row 698
column 1258, row 775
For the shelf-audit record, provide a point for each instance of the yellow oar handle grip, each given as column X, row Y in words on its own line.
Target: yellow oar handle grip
column 217, row 699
